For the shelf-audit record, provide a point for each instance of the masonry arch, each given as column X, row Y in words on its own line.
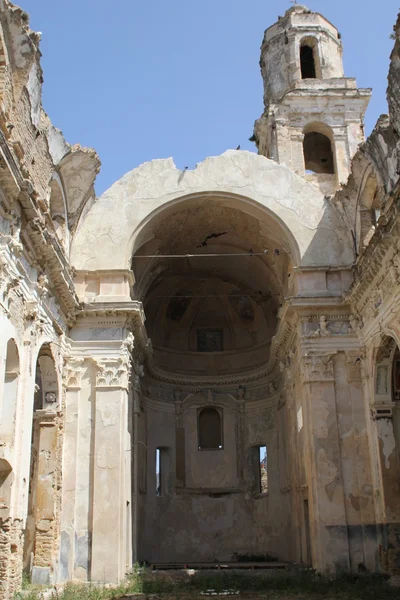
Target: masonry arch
column 107, row 234
column 212, row 275
column 212, row 271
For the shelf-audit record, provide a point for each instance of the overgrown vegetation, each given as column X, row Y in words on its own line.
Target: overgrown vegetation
column 301, row 585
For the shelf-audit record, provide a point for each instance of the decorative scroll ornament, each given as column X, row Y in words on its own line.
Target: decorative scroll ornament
column 113, row 372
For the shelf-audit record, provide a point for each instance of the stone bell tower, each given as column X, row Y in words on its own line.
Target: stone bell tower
column 313, row 117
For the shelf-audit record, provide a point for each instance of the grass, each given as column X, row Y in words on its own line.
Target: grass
column 298, row 586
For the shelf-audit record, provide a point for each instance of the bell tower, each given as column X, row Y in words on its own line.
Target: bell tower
column 313, row 119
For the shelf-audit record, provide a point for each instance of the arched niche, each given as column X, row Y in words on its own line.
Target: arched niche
column 9, row 402
column 46, row 381
column 58, row 212
column 310, row 65
column 210, row 428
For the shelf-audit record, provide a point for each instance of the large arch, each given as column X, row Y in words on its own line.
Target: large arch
column 106, row 234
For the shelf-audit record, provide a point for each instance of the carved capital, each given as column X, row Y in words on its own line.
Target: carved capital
column 113, row 372
column 317, row 367
column 353, row 364
column 72, row 373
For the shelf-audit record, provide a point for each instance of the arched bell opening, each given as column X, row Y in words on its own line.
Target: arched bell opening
column 309, row 58
column 211, row 277
column 39, row 548
column 318, row 155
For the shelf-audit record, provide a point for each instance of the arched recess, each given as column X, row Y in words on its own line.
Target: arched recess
column 7, row 423
column 310, row 64
column 41, row 528
column 58, row 212
column 386, row 414
column 318, row 149
column 211, row 277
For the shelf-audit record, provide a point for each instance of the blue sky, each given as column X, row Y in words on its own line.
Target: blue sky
column 144, row 79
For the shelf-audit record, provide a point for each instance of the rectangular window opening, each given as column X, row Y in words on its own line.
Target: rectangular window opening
column 158, row 472
column 209, row 340
column 163, row 471
column 262, row 470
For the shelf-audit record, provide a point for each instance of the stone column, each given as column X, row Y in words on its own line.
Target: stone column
column 329, row 538
column 109, row 510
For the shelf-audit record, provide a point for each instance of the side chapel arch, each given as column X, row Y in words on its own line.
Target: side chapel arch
column 41, row 525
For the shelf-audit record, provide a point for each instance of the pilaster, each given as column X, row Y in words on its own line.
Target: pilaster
column 111, row 401
column 330, row 545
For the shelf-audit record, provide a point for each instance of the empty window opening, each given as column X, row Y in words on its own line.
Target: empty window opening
column 158, row 473
column 307, row 61
column 163, row 470
column 210, row 429
column 259, row 468
column 209, row 340
column 263, row 472
column 318, row 155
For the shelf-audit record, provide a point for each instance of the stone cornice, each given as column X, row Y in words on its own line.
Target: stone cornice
column 130, row 314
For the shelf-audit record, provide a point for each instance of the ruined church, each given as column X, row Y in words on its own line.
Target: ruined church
column 202, row 365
